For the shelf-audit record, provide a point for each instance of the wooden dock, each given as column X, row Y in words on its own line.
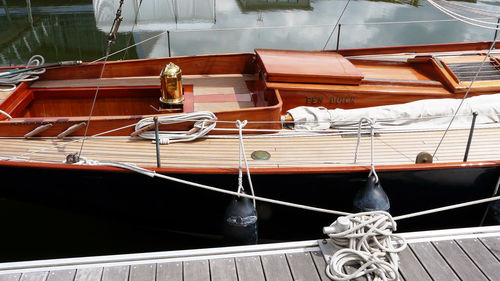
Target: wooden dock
column 457, row 254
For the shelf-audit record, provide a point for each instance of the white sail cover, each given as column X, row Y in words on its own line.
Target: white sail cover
column 422, row 114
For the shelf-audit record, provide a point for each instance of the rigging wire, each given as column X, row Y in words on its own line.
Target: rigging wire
column 133, row 27
column 464, row 19
column 465, row 96
column 336, row 24
column 111, row 41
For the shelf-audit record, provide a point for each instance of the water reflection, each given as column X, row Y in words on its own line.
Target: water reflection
column 58, row 30
column 69, row 30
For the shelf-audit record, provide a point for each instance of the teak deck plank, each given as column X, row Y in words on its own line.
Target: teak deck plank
column 169, row 271
column 62, row 275
column 430, row 258
column 410, row 268
column 302, row 267
column 196, row 270
column 116, row 273
column 223, row 269
column 276, row 268
column 249, row 269
column 482, row 257
column 143, row 272
column 459, row 261
column 321, row 151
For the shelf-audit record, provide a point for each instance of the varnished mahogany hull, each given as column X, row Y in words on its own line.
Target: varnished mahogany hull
column 137, row 199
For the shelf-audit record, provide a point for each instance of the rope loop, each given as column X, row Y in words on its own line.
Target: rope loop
column 240, row 125
column 204, row 122
column 29, row 75
column 369, row 242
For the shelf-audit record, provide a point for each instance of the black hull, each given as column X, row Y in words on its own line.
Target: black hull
column 137, row 199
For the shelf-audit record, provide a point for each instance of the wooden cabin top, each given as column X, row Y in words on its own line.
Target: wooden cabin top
column 247, row 86
column 308, row 67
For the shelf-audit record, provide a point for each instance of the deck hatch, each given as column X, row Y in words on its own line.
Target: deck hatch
column 292, row 66
column 466, row 71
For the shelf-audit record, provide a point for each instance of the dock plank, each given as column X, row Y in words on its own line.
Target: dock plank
column 276, row 268
column 143, row 272
column 493, row 244
column 302, row 267
column 89, row 274
column 459, row 261
column 249, row 269
column 116, row 273
column 10, row 277
column 169, row 271
column 410, row 268
column 223, row 269
column 62, row 275
column 482, row 257
column 430, row 258
column 320, row 263
column 34, row 276
column 196, row 270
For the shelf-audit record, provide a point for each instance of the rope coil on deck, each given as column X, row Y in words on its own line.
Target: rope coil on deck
column 370, row 244
column 205, row 121
column 11, row 79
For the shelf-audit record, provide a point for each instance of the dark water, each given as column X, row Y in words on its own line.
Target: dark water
column 77, row 29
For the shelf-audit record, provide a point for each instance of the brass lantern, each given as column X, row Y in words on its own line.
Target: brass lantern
column 171, row 86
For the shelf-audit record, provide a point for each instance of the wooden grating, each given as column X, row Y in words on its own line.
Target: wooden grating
column 318, row 151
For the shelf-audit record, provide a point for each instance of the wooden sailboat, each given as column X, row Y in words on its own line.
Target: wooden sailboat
column 44, row 121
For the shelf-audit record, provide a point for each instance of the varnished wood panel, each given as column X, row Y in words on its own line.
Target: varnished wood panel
column 447, row 47
column 307, row 67
column 201, row 64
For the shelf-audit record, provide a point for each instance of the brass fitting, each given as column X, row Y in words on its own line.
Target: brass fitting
column 171, row 86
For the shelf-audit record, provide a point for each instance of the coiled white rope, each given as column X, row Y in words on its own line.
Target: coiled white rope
column 30, row 75
column 370, row 244
column 205, row 121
